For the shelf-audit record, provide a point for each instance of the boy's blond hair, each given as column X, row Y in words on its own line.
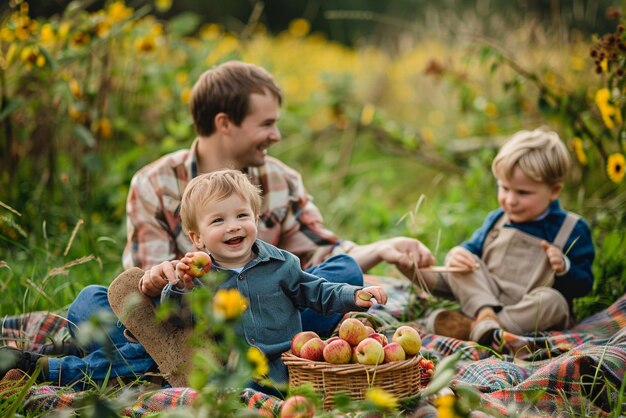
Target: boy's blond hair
column 540, row 154
column 213, row 187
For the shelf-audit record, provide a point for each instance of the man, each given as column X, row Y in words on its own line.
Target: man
column 235, row 108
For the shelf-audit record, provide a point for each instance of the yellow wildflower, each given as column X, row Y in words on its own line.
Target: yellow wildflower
column 102, row 127
column 32, row 56
column 75, row 88
column 229, row 304
column 367, row 114
column 615, row 167
column 445, row 406
column 79, row 39
column 46, row 34
column 64, row 29
column 185, row 94
column 258, row 359
column 163, row 5
column 604, row 64
column 76, row 114
column 145, row 44
column 577, row 143
column 381, row 398
column 118, row 11
column 210, row 31
column 611, row 114
column 299, row 27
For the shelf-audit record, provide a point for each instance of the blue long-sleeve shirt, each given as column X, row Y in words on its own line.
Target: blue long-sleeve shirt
column 276, row 287
column 578, row 281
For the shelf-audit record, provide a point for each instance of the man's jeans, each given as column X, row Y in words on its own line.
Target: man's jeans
column 127, row 359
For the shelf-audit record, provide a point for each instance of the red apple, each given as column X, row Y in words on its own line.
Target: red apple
column 313, row 350
column 331, row 339
column 394, row 352
column 381, row 338
column 409, row 339
column 200, row 264
column 369, row 351
column 299, row 339
column 353, row 331
column 370, row 330
column 338, row 352
column 297, row 407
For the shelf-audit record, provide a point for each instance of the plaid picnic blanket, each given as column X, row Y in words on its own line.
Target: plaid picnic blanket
column 581, row 368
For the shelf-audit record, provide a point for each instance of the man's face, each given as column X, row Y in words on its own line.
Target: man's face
column 249, row 142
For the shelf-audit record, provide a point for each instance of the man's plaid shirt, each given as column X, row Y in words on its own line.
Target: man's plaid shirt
column 288, row 220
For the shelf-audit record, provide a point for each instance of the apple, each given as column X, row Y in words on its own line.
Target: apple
column 394, row 352
column 331, row 339
column 313, row 349
column 338, row 352
column 353, row 331
column 354, row 359
column 200, row 264
column 381, row 338
column 408, row 338
column 370, row 330
column 297, row 407
column 299, row 339
column 369, row 351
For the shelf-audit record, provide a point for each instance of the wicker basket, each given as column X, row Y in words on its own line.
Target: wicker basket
column 400, row 378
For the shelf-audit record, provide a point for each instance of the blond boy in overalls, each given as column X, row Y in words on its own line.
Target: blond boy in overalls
column 529, row 259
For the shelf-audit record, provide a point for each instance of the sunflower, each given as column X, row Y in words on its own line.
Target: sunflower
column 615, row 167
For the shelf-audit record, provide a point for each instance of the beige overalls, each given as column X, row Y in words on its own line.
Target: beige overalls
column 515, row 274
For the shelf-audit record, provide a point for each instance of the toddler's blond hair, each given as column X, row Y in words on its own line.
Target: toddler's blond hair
column 213, row 187
column 540, row 154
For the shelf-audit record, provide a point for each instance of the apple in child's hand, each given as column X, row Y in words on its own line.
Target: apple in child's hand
column 369, row 351
column 299, row 339
column 338, row 351
column 394, row 352
column 313, row 349
column 409, row 339
column 200, row 264
column 297, row 407
column 353, row 331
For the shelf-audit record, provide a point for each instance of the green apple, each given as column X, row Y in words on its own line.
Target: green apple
column 409, row 339
column 370, row 352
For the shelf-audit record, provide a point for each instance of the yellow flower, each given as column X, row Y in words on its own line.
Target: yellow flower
column 118, row 11
column 445, row 406
column 46, row 34
column 229, row 304
column 367, row 114
column 381, row 398
column 299, row 27
column 79, row 39
column 185, row 94
column 604, row 64
column 615, row 167
column 611, row 114
column 145, row 44
column 163, row 5
column 32, row 56
column 102, row 127
column 210, row 31
column 577, row 143
column 75, row 88
column 258, row 359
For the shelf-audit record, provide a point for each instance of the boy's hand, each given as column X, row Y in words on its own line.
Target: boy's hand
column 555, row 257
column 461, row 257
column 156, row 277
column 364, row 296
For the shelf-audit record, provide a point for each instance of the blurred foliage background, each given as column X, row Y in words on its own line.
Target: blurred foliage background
column 393, row 112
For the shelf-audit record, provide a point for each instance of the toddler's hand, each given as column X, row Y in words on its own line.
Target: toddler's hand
column 461, row 257
column 555, row 257
column 364, row 296
column 184, row 279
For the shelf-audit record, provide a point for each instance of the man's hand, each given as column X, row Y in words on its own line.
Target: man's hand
column 461, row 257
column 156, row 277
column 407, row 254
column 555, row 257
